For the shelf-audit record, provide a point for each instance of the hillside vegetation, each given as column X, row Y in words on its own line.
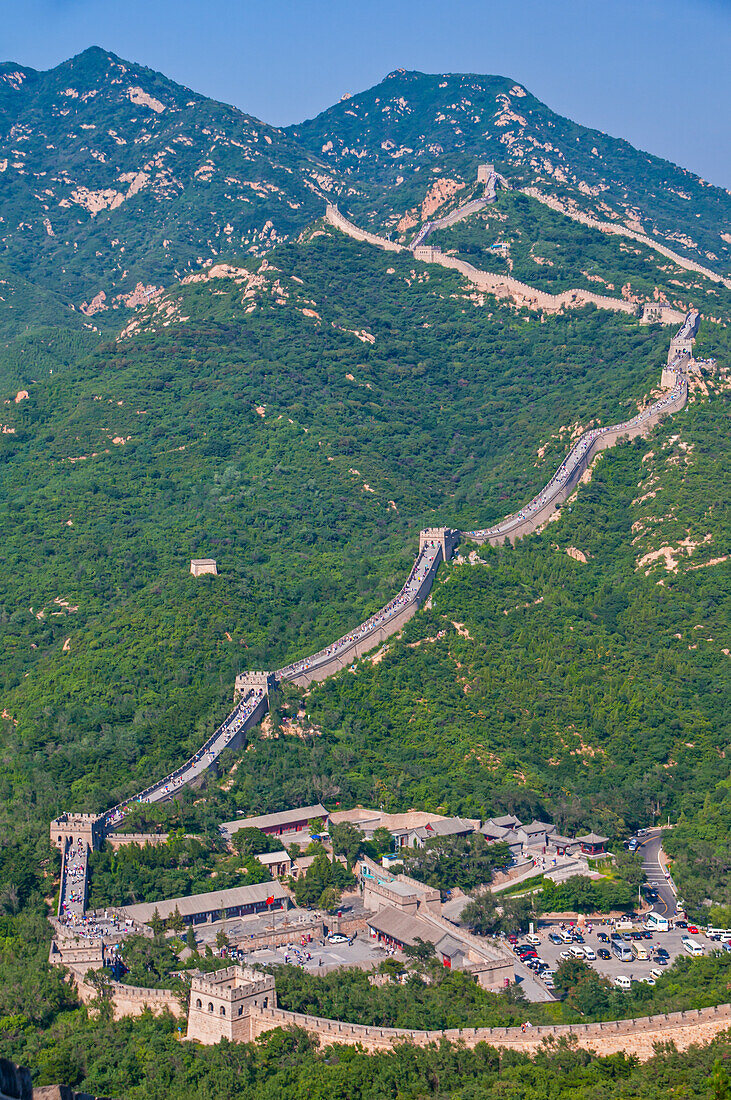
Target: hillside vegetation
column 297, row 406
column 117, row 180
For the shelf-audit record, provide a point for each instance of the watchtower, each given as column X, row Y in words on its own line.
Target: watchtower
column 87, row 828
column 444, row 536
column 484, row 171
column 428, row 253
column 199, row 567
column 222, row 1003
column 262, row 682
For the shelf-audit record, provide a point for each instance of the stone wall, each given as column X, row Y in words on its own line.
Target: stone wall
column 132, row 1000
column 601, row 443
column 333, row 215
column 636, row 1036
column 360, row 646
column 623, row 231
column 119, row 840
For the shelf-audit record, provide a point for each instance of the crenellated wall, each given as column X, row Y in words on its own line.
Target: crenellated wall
column 634, row 1036
column 333, row 215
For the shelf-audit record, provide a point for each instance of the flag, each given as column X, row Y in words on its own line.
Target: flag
column 270, row 901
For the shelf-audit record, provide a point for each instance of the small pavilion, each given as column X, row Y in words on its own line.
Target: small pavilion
column 592, row 844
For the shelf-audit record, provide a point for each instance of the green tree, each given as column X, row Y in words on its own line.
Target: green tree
column 346, row 841
column 175, row 921
column 157, row 924
column 481, row 914
column 383, row 840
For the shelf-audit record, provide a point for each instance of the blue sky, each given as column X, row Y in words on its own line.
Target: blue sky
column 655, row 72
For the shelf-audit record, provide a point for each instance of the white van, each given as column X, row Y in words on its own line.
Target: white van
column 566, row 935
column 718, row 933
column 623, row 983
column 692, row 946
column 577, row 952
column 533, row 940
column 656, row 923
column 589, row 953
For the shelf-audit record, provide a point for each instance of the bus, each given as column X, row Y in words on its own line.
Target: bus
column 691, row 946
column 622, row 951
column 640, row 952
column 654, row 922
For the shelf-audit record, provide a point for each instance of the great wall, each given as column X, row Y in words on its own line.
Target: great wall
column 240, row 1004
column 76, row 834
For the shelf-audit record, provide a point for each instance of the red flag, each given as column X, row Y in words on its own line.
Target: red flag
column 270, row 901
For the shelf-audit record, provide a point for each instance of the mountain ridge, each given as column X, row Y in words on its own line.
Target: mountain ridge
column 118, row 181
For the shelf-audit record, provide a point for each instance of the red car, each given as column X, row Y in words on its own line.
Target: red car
column 693, row 929
column 512, row 939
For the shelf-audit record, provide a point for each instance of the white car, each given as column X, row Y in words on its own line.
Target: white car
column 565, row 955
column 622, row 982
column 589, row 953
column 656, row 972
column 646, row 980
column 337, row 937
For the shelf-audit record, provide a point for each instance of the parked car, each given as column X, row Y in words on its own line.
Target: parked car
column 647, row 935
column 656, row 973
column 622, row 982
column 337, row 937
column 589, row 953
column 662, row 953
column 512, row 940
column 565, row 955
column 603, row 953
column 693, row 929
column 578, row 938
column 554, row 938
column 647, row 979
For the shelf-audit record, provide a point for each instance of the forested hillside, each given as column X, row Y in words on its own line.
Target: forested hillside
column 300, row 432
column 297, row 406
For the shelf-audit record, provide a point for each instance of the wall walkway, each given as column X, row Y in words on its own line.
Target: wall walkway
column 634, row 1036
column 623, row 231
column 435, row 545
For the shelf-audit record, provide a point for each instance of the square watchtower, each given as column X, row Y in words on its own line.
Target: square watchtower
column 222, row 1003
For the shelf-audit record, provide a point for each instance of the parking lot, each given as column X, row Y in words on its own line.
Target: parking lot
column 610, row 968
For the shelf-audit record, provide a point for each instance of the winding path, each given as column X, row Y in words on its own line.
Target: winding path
column 435, row 545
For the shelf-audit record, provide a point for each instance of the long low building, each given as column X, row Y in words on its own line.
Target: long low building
column 240, row 901
column 279, row 824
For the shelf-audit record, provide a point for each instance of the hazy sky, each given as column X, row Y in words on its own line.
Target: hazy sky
column 656, row 72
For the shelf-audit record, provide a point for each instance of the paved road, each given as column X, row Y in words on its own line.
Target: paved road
column 649, row 849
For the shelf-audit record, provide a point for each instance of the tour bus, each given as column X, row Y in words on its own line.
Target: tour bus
column 692, row 946
column 622, row 951
column 656, row 923
column 640, row 952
